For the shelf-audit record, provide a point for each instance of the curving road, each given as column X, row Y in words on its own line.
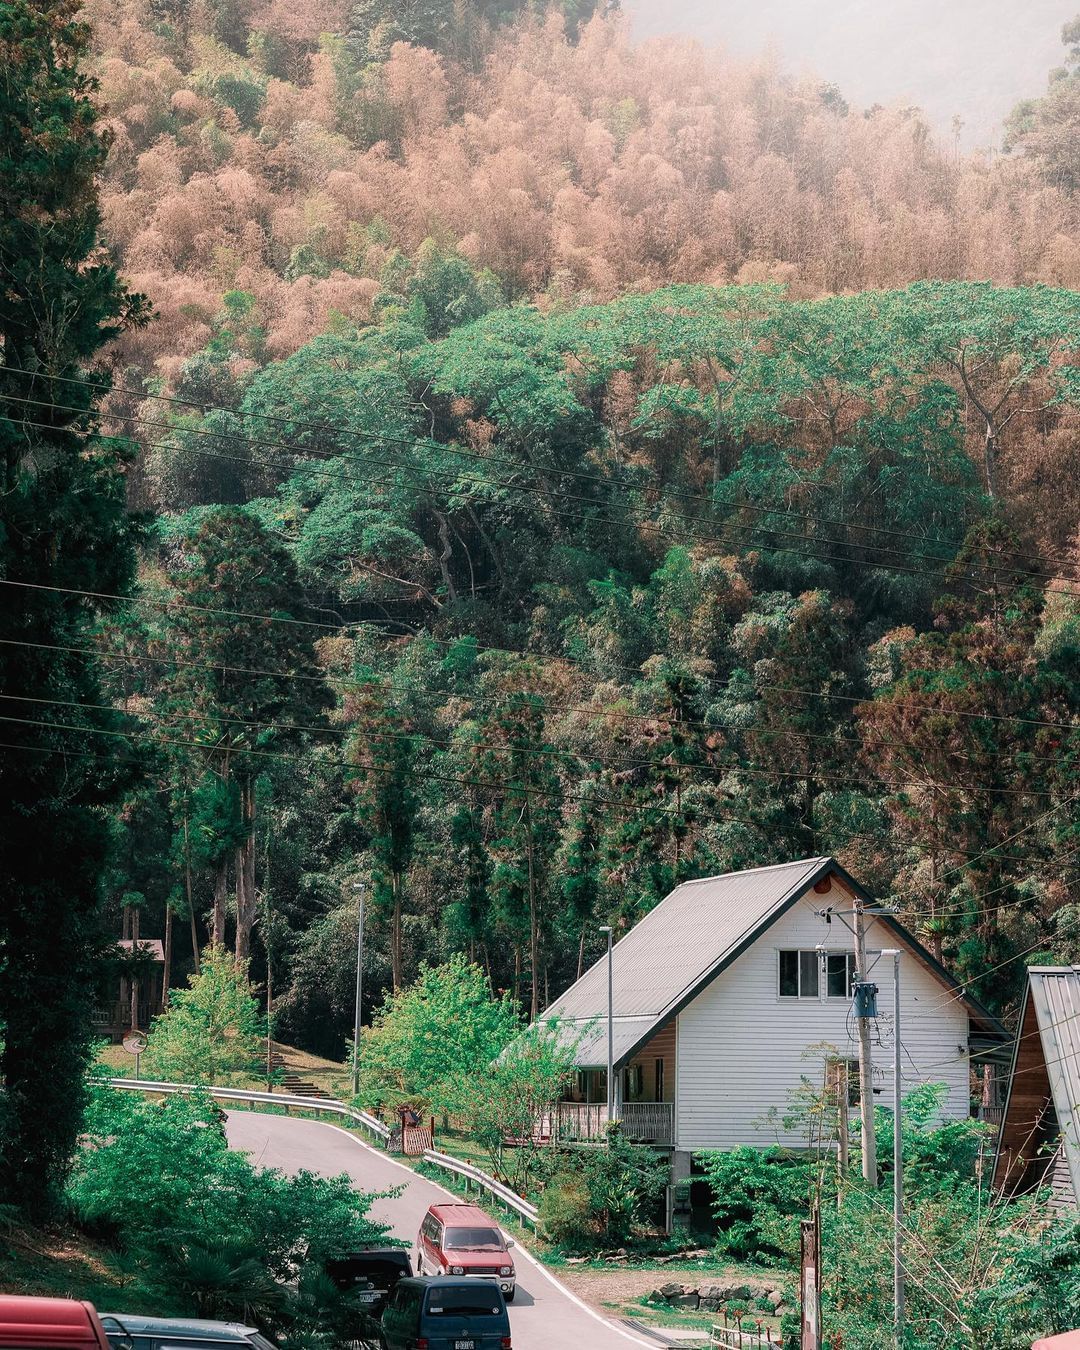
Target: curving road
column 544, row 1314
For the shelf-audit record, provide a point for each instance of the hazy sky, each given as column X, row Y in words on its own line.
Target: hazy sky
column 971, row 57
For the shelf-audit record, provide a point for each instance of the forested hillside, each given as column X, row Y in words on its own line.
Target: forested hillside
column 566, row 467
column 303, row 155
column 528, row 621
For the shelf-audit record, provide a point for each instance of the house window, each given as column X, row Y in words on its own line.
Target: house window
column 839, row 974
column 799, row 974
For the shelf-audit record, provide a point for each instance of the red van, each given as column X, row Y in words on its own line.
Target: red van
column 49, row 1324
column 462, row 1240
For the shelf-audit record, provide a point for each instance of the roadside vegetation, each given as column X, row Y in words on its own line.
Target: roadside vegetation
column 203, row 1230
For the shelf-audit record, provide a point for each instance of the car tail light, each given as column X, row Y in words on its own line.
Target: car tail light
column 421, row 1343
column 506, row 1343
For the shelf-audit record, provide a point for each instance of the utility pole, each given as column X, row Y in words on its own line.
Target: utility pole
column 359, row 888
column 838, row 1086
column 866, row 1062
column 610, row 1030
column 810, row 1281
column 898, row 1166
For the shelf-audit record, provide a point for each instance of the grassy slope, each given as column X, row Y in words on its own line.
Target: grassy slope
column 65, row 1264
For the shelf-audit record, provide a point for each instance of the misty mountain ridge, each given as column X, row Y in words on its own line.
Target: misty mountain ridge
column 967, row 59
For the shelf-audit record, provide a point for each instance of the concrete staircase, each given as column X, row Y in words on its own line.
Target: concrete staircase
column 289, row 1081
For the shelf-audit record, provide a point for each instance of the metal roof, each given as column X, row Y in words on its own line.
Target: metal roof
column 1054, row 992
column 152, row 948
column 669, row 956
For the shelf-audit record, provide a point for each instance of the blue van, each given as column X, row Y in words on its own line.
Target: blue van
column 449, row 1313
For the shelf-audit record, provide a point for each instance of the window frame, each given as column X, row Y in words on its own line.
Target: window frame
column 850, row 974
column 821, row 993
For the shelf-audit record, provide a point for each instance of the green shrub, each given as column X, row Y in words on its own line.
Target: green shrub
column 565, row 1211
column 610, row 1193
column 758, row 1197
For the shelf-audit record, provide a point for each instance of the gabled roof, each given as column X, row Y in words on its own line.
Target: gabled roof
column 151, row 948
column 1053, row 1000
column 692, row 935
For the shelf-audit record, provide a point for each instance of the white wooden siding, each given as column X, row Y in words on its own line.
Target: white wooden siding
column 742, row 1050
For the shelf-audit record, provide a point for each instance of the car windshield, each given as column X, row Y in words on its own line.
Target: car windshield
column 473, row 1240
column 462, row 1303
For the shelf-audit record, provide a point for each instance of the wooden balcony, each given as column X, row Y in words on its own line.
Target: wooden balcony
column 114, row 1019
column 642, row 1122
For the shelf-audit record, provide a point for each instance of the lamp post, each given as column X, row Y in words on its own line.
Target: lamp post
column 610, row 1029
column 359, row 888
column 898, row 1164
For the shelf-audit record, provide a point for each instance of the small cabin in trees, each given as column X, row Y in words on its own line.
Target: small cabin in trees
column 1039, row 1143
column 134, row 994
column 734, row 990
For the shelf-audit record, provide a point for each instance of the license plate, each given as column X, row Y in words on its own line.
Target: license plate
column 464, row 1345
column 368, row 1298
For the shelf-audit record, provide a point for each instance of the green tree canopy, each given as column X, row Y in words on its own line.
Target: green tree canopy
column 427, row 1040
column 211, row 1032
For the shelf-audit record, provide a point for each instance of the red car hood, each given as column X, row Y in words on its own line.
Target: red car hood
column 1069, row 1340
column 484, row 1260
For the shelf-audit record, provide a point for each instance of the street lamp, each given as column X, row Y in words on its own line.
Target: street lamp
column 610, row 1030
column 359, row 888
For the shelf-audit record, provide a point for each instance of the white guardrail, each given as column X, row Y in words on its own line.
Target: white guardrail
column 472, row 1176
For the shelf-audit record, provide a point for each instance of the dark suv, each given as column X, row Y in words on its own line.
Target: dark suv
column 371, row 1274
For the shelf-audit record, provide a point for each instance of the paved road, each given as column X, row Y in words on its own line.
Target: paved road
column 543, row 1316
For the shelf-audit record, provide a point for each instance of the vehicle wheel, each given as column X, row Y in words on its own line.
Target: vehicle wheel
column 510, row 1296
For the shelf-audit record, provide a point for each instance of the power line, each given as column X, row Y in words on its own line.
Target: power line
column 166, row 603
column 105, row 655
column 414, row 442
column 500, row 786
column 968, row 913
column 665, row 769
column 697, row 529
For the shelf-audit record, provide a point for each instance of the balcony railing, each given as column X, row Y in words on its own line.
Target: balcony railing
column 642, row 1122
column 117, row 1016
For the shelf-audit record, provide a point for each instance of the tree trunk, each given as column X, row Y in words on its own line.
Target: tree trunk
column 990, row 459
column 581, row 953
column 445, row 556
column 395, row 931
column 217, row 923
column 166, row 969
column 134, row 1019
column 187, row 889
column 534, row 920
column 245, row 875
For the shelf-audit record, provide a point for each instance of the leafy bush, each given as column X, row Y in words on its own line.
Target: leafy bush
column 565, row 1210
column 517, row 1091
column 209, row 1233
column 612, row 1192
column 758, row 1197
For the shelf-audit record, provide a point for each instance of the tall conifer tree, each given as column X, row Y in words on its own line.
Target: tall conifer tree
column 63, row 541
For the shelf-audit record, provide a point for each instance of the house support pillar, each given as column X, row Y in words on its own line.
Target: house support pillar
column 678, row 1192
